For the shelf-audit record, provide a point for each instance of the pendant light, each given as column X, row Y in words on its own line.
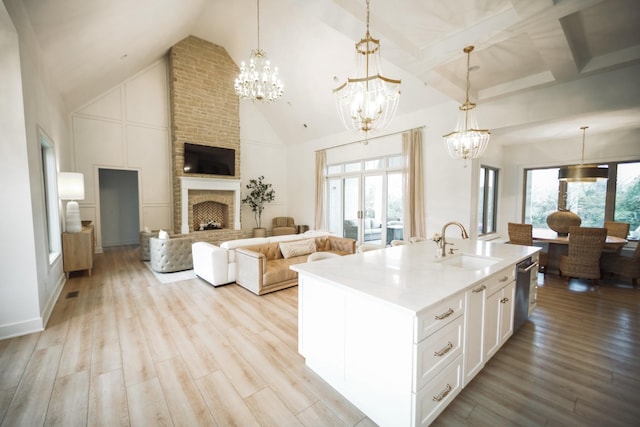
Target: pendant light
column 258, row 81
column 367, row 102
column 582, row 172
column 467, row 141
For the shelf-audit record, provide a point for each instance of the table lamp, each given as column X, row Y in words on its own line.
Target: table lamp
column 71, row 187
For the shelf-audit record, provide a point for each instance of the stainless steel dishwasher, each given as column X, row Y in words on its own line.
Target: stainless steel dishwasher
column 523, row 282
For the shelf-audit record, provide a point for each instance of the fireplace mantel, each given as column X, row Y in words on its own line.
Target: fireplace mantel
column 188, row 183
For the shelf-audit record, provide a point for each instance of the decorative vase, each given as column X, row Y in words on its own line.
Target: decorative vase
column 560, row 221
column 259, row 232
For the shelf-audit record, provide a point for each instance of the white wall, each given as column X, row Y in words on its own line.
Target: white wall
column 128, row 128
column 262, row 153
column 30, row 283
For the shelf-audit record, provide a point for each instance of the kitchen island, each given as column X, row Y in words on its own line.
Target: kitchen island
column 398, row 331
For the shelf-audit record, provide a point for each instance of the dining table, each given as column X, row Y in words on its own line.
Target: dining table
column 558, row 245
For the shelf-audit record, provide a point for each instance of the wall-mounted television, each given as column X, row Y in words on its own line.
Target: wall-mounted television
column 209, row 160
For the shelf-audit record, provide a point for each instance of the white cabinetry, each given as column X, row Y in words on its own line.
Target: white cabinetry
column 498, row 319
column 475, row 299
column 400, row 336
column 398, row 368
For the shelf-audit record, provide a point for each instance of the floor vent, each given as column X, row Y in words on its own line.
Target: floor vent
column 72, row 294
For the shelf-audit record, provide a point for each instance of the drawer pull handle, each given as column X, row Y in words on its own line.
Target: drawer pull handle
column 479, row 289
column 445, row 314
column 445, row 350
column 503, row 300
column 504, row 279
column 443, row 394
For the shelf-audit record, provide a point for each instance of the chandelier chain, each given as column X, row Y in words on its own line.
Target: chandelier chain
column 584, row 131
column 258, row 18
column 468, row 50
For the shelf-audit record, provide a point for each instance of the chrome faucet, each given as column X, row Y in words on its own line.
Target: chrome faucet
column 444, row 243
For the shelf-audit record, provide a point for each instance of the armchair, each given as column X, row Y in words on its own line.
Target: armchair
column 585, row 248
column 522, row 234
column 617, row 229
column 169, row 255
column 620, row 265
column 283, row 225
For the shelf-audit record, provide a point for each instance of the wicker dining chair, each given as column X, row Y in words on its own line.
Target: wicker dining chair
column 522, row 234
column 583, row 259
column 620, row 265
column 616, row 229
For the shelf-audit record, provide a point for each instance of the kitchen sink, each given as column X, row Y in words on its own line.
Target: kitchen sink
column 468, row 261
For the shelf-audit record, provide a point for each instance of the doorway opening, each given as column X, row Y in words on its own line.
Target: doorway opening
column 119, row 207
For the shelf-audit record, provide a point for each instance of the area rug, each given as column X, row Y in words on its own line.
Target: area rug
column 166, row 278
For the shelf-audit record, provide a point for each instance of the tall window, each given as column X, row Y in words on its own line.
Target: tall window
column 615, row 199
column 49, row 183
column 488, row 200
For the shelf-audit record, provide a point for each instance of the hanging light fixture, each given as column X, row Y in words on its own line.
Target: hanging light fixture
column 368, row 102
column 467, row 141
column 258, row 81
column 582, row 172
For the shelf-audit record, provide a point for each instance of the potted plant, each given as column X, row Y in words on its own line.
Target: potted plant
column 259, row 194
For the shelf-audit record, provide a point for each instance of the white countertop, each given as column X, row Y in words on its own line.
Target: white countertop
column 410, row 276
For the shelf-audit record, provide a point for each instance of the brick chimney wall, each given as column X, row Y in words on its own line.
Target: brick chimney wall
column 204, row 106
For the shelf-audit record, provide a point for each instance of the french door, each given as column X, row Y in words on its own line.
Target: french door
column 366, row 206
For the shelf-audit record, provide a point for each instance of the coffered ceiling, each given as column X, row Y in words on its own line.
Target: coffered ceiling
column 521, row 45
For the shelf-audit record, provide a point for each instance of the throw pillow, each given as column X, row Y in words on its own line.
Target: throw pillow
column 297, row 248
column 163, row 235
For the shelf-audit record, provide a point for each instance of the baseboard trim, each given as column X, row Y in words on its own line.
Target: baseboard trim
column 36, row 324
column 21, row 328
column 51, row 303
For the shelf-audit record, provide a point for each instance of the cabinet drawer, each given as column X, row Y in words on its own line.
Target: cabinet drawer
column 498, row 280
column 432, row 399
column 437, row 351
column 438, row 316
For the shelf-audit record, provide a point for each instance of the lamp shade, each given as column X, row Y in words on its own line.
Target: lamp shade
column 70, row 186
column 583, row 173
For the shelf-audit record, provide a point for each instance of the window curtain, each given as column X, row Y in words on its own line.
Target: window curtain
column 413, row 184
column 321, row 167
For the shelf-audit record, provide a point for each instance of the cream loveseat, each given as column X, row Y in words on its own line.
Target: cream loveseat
column 217, row 264
column 265, row 268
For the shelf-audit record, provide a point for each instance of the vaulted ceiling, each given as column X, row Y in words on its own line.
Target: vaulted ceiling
column 521, row 45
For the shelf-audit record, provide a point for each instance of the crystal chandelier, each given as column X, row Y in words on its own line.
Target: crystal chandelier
column 368, row 102
column 258, row 81
column 582, row 172
column 467, row 141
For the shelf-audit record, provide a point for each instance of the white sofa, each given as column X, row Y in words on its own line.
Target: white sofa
column 217, row 264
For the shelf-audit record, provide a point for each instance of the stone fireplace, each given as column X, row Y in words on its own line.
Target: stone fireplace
column 209, row 200
column 204, row 111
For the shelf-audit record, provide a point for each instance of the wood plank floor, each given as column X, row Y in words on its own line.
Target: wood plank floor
column 128, row 350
